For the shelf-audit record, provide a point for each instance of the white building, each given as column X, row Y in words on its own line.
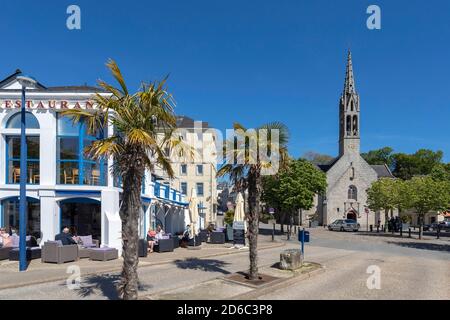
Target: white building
column 196, row 171
column 65, row 188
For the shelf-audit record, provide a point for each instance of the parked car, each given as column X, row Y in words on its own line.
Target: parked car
column 344, row 225
column 444, row 226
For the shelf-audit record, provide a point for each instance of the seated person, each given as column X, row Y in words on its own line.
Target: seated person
column 5, row 239
column 186, row 237
column 159, row 233
column 151, row 239
column 65, row 237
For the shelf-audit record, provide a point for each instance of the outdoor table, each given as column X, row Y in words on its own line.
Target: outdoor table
column 103, row 254
column 32, row 253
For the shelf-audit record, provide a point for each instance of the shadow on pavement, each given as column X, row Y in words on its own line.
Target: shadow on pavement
column 423, row 246
column 106, row 284
column 207, row 265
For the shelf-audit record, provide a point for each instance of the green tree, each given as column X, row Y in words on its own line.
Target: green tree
column 380, row 156
column 299, row 184
column 245, row 170
column 441, row 172
column 420, row 163
column 135, row 145
column 387, row 194
column 425, row 195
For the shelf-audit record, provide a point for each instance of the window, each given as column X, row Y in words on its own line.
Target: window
column 349, row 125
column 200, row 191
column 13, row 159
column 355, row 125
column 353, row 193
column 183, row 169
column 184, row 187
column 30, row 121
column 73, row 164
column 199, row 169
column 11, row 215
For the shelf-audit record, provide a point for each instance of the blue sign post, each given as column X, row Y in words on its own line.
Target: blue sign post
column 303, row 237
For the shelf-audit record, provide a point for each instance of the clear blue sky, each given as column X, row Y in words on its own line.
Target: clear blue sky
column 256, row 61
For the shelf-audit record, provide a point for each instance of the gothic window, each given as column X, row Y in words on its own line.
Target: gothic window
column 349, row 125
column 352, row 106
column 353, row 193
column 355, row 125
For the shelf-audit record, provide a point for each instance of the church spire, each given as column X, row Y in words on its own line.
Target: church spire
column 349, row 87
column 349, row 113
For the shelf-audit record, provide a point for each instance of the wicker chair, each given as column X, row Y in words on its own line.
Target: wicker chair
column 55, row 252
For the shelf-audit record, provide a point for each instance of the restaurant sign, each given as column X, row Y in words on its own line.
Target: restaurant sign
column 48, row 104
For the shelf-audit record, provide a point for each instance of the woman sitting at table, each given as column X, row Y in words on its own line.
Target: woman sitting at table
column 151, row 239
column 5, row 239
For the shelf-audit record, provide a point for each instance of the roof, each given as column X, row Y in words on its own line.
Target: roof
column 382, row 171
column 326, row 167
column 189, row 123
column 41, row 88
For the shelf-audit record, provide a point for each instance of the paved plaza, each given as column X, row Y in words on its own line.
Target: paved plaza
column 410, row 269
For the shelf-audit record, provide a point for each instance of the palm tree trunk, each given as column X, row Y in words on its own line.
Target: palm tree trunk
column 253, row 219
column 129, row 214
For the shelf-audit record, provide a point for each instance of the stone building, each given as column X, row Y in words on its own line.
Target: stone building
column 349, row 175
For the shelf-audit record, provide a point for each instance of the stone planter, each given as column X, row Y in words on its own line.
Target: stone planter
column 291, row 259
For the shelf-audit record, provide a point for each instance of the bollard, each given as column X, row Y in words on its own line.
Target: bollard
column 273, row 233
column 371, row 228
column 378, row 229
column 438, row 231
column 409, row 233
column 401, row 232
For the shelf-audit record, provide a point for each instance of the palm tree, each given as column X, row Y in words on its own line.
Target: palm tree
column 245, row 172
column 142, row 123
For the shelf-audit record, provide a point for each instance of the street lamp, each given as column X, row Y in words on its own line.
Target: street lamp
column 25, row 82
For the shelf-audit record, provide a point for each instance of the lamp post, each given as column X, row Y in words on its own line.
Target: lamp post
column 25, row 82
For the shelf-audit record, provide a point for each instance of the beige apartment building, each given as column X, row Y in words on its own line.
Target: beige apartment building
column 198, row 171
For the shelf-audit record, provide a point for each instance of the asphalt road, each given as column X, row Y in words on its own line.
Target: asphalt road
column 408, row 270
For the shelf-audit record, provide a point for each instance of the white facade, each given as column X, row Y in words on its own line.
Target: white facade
column 65, row 191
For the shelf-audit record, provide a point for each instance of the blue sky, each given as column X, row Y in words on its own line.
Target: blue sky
column 256, row 61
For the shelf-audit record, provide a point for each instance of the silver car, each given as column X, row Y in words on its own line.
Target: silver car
column 344, row 225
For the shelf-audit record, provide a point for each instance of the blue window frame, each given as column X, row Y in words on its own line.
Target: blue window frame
column 15, row 121
column 13, row 159
column 73, row 165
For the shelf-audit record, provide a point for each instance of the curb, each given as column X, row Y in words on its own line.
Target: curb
column 283, row 283
column 116, row 269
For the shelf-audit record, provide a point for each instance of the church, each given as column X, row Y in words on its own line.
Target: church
column 349, row 175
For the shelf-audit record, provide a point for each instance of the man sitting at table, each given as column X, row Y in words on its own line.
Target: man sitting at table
column 65, row 237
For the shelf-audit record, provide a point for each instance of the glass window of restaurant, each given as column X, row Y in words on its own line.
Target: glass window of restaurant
column 74, row 166
column 13, row 150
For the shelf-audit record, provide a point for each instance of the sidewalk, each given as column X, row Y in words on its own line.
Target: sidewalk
column 224, row 288
column 39, row 272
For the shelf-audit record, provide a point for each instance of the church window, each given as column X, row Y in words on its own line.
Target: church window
column 353, row 193
column 352, row 106
column 355, row 125
column 349, row 125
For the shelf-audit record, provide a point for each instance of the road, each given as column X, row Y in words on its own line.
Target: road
column 409, row 270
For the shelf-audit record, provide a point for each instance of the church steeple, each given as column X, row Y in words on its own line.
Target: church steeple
column 349, row 140
column 349, row 86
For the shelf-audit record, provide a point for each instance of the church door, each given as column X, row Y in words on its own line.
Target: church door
column 352, row 215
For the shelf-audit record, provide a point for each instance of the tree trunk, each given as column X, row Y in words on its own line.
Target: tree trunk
column 129, row 213
column 421, row 222
column 254, row 185
column 282, row 221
